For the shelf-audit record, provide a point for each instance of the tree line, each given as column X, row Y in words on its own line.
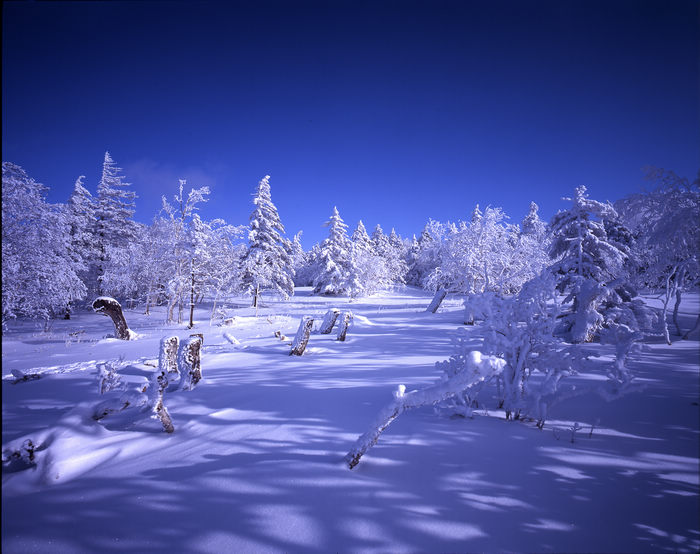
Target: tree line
column 57, row 257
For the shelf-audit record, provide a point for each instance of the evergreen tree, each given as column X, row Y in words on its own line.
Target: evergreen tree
column 532, row 225
column 114, row 212
column 266, row 265
column 371, row 270
column 336, row 272
column 589, row 265
column 80, row 222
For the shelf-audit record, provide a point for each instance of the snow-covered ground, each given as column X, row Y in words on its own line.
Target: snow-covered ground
column 256, row 460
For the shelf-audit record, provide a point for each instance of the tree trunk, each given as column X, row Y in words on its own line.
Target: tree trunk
column 302, row 337
column 189, row 363
column 191, row 302
column 675, row 311
column 110, row 307
column 167, row 358
column 329, row 320
column 159, row 382
column 437, row 300
column 343, row 325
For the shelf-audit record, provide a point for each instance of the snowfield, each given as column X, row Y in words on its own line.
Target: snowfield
column 256, row 460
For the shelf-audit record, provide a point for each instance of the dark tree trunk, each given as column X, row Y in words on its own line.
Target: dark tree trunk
column 110, row 307
column 191, row 303
column 302, row 337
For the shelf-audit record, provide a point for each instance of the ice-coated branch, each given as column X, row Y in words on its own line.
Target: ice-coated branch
column 329, row 321
column 477, row 369
column 301, row 339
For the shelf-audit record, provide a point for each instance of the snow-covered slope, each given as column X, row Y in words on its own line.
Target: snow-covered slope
column 256, row 460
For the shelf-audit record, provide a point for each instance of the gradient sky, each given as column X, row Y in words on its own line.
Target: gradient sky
column 396, row 112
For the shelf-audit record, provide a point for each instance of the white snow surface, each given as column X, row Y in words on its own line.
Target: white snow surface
column 256, row 460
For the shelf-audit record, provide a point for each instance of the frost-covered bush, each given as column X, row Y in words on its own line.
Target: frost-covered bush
column 522, row 330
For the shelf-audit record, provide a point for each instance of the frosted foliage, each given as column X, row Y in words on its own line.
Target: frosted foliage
column 485, row 254
column 521, row 329
column 372, row 271
column 336, row 273
column 80, row 221
column 114, row 212
column 391, row 251
column 590, row 269
column 39, row 275
column 427, row 254
column 267, row 264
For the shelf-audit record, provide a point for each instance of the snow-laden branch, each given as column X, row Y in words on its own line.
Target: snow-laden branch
column 477, row 368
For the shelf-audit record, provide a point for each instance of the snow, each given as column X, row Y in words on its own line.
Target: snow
column 256, row 460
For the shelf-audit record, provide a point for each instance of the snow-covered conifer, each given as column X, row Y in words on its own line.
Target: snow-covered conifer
column 586, row 263
column 372, row 271
column 114, row 214
column 266, row 265
column 336, row 272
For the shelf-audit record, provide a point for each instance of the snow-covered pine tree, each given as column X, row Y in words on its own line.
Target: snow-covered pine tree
column 114, row 214
column 428, row 255
column 371, row 270
column 336, row 272
column 266, row 265
column 80, row 218
column 532, row 225
column 588, row 265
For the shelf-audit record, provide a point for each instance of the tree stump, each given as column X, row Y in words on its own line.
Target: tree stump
column 329, row 321
column 437, row 300
column 343, row 325
column 167, row 359
column 159, row 382
column 189, row 363
column 110, row 307
column 301, row 339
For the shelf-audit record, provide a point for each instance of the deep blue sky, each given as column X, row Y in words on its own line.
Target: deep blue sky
column 396, row 112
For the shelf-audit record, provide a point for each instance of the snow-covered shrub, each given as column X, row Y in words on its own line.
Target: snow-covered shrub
column 521, row 330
